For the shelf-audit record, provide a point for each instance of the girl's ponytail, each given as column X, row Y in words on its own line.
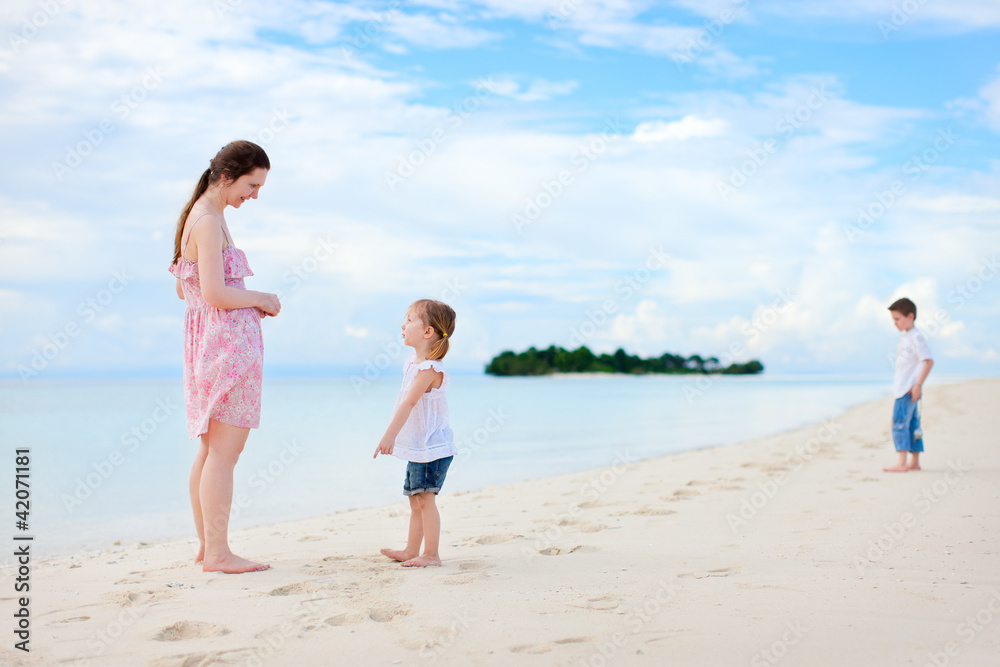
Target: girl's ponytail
column 441, row 318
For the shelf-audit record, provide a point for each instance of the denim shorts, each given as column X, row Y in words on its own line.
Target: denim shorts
column 906, row 433
column 425, row 477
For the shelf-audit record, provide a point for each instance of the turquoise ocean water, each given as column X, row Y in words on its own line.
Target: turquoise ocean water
column 110, row 458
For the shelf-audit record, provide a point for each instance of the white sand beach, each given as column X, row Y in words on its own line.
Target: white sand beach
column 794, row 549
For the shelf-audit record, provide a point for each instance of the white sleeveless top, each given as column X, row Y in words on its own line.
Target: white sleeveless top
column 426, row 436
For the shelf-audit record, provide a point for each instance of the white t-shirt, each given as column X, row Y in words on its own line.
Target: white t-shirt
column 426, row 436
column 911, row 351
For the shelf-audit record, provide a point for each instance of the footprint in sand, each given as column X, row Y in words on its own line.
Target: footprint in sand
column 721, row 572
column 533, row 649
column 347, row 618
column 592, row 527
column 602, row 603
column 303, row 588
column 459, row 579
column 384, row 613
column 474, row 565
column 558, row 551
column 240, row 656
column 75, row 619
column 133, row 598
column 190, row 630
column 311, row 538
column 132, row 579
column 497, row 539
column 652, row 511
column 681, row 494
column 575, row 640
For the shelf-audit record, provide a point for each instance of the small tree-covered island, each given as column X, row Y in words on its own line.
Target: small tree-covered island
column 582, row 360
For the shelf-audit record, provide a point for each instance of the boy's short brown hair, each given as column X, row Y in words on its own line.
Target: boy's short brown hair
column 904, row 307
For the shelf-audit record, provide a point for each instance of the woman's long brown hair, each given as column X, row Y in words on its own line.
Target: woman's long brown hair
column 233, row 160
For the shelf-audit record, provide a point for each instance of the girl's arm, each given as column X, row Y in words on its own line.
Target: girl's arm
column 420, row 386
column 180, row 292
column 208, row 240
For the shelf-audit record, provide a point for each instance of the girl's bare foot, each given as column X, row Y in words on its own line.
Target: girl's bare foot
column 401, row 556
column 914, row 466
column 422, row 561
column 896, row 469
column 201, row 554
column 232, row 564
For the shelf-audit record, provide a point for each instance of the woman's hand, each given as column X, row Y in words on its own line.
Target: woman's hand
column 269, row 304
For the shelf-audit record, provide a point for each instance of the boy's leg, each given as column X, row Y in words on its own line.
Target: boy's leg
column 917, row 436
column 413, row 538
column 902, row 411
column 431, row 532
column 900, row 465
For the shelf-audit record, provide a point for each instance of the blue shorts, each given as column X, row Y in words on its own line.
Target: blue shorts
column 425, row 477
column 906, row 433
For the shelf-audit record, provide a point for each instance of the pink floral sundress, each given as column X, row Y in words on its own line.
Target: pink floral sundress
column 223, row 351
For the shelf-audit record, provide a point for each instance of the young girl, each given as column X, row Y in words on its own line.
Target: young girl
column 419, row 430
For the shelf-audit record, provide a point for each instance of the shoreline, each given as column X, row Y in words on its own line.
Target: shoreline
column 676, row 556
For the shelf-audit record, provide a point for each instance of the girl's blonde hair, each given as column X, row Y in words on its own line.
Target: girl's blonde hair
column 441, row 318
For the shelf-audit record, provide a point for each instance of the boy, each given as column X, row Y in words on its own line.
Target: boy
column 913, row 363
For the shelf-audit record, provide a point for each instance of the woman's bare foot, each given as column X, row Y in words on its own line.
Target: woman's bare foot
column 896, row 469
column 422, row 561
column 232, row 564
column 394, row 554
column 201, row 554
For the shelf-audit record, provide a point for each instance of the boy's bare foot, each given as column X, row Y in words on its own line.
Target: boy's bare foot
column 394, row 554
column 896, row 469
column 232, row 564
column 423, row 561
column 914, row 466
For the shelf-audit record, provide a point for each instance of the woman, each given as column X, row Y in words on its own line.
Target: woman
column 223, row 350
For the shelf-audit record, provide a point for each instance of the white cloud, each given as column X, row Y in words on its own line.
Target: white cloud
column 945, row 17
column 450, row 223
column 990, row 95
column 444, row 31
column 539, row 90
column 689, row 127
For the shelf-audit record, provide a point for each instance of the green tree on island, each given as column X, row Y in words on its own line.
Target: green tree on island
column 560, row 360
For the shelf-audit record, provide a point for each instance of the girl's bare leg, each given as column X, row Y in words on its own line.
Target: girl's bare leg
column 414, row 537
column 225, row 444
column 431, row 532
column 194, row 488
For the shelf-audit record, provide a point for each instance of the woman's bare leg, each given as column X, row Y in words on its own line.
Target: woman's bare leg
column 225, row 444
column 194, row 488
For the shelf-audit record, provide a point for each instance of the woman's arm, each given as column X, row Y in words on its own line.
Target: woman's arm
column 420, row 386
column 208, row 240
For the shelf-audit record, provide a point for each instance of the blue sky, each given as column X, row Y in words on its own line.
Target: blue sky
column 740, row 179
